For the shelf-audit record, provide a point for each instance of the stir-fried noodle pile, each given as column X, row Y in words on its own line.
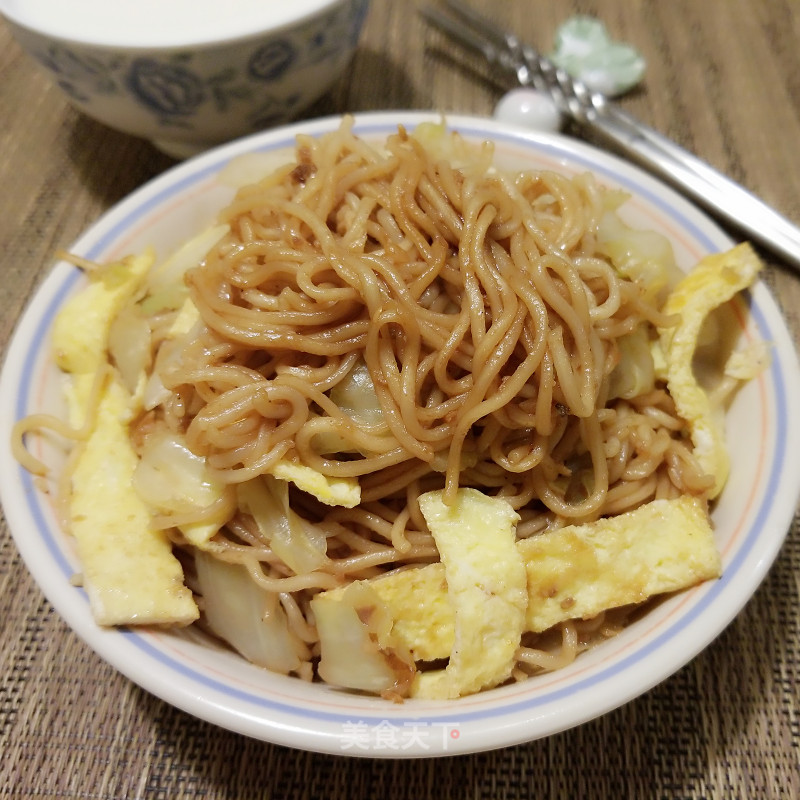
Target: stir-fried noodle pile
column 389, row 316
column 410, row 318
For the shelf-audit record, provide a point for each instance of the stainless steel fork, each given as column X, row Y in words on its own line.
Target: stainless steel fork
column 707, row 186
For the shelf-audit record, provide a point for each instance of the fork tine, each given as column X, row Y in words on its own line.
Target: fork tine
column 528, row 67
column 496, row 47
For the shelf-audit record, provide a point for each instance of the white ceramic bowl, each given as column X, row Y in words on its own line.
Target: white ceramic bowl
column 189, row 74
column 191, row 672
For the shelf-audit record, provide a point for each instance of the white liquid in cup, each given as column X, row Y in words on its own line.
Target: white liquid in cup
column 152, row 23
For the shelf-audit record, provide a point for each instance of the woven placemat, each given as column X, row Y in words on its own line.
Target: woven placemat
column 724, row 79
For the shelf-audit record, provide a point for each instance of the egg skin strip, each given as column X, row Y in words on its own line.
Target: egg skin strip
column 715, row 280
column 128, row 569
column 571, row 573
column 579, row 571
column 80, row 330
column 486, row 589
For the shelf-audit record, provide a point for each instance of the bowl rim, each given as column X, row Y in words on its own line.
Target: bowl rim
column 481, row 722
column 290, row 15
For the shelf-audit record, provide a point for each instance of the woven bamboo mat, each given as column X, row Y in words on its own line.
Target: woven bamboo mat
column 723, row 78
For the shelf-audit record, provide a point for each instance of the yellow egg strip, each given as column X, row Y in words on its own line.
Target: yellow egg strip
column 344, row 492
column 571, row 573
column 486, row 586
column 80, row 330
column 578, row 571
column 129, row 571
column 714, row 281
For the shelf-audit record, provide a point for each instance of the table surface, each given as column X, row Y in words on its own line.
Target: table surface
column 723, row 79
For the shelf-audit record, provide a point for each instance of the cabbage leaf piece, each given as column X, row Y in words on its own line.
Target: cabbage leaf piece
column 299, row 543
column 358, row 650
column 248, row 617
column 171, row 479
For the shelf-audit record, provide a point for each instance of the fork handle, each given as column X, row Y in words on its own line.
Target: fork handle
column 706, row 185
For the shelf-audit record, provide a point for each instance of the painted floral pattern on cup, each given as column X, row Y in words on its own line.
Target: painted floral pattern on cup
column 272, row 60
column 79, row 75
column 166, row 88
column 176, row 89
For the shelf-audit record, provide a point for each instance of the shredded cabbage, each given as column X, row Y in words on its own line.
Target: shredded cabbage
column 246, row 616
column 443, row 145
column 300, row 544
column 129, row 346
column 357, row 647
column 165, row 286
column 640, row 255
column 355, row 396
column 172, row 480
column 635, row 373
